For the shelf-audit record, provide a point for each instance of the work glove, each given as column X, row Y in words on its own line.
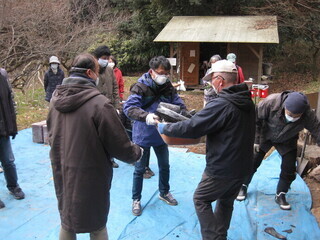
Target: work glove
column 161, row 127
column 152, row 119
column 256, row 148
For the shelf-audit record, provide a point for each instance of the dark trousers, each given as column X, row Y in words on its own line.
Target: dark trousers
column 288, row 169
column 7, row 162
column 162, row 154
column 214, row 225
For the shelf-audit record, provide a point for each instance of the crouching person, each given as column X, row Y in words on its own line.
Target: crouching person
column 84, row 134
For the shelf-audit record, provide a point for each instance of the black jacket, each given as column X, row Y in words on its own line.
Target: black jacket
column 229, row 123
column 8, row 123
column 51, row 81
column 273, row 128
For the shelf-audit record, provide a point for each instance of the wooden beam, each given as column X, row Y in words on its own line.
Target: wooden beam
column 253, row 50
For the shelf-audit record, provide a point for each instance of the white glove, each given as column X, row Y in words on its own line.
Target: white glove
column 256, row 148
column 152, row 119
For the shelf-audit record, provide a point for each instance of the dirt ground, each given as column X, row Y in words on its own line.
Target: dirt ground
column 194, row 100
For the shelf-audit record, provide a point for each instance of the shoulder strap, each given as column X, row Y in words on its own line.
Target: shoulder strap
column 144, row 87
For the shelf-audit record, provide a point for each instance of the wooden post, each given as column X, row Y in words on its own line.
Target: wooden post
column 171, row 56
column 318, row 107
column 260, row 64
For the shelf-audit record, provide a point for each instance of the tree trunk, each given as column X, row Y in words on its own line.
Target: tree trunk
column 315, row 68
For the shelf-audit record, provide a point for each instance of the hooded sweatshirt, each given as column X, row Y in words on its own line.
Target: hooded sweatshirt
column 228, row 121
column 84, row 133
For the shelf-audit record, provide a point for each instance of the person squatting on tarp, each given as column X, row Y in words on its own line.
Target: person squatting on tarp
column 152, row 88
column 280, row 118
column 85, row 132
column 228, row 121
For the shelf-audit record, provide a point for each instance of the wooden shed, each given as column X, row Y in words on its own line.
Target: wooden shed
column 194, row 39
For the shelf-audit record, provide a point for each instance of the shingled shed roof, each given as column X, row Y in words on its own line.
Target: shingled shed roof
column 228, row 29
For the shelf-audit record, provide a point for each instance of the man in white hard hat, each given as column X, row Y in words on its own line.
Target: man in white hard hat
column 52, row 77
column 228, row 121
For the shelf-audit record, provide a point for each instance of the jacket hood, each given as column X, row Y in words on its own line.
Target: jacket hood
column 73, row 93
column 239, row 95
column 147, row 80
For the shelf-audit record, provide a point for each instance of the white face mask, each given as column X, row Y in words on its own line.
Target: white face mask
column 54, row 66
column 111, row 64
column 291, row 119
column 160, row 79
column 102, row 62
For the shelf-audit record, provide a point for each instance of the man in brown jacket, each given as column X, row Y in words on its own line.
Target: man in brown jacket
column 107, row 84
column 84, row 133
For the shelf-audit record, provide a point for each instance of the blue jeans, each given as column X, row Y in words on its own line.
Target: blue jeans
column 7, row 162
column 162, row 154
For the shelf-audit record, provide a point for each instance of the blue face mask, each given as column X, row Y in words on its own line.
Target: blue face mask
column 102, row 62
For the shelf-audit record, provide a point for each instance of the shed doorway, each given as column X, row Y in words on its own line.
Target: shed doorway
column 207, row 50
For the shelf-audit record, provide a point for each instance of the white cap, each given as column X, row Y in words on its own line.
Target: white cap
column 231, row 57
column 54, row 59
column 222, row 66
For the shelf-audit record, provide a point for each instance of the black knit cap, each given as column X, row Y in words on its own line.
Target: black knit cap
column 296, row 102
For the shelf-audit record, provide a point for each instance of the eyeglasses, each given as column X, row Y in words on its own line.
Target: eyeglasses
column 215, row 77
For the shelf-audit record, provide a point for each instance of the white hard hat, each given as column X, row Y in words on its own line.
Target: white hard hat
column 54, row 59
column 222, row 66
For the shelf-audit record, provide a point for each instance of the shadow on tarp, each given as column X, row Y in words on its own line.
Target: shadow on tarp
column 36, row 217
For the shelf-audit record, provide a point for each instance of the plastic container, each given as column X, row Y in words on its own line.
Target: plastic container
column 259, row 90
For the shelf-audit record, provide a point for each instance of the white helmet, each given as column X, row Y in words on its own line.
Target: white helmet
column 54, row 59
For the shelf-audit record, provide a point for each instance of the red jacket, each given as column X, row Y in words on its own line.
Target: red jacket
column 120, row 81
column 240, row 75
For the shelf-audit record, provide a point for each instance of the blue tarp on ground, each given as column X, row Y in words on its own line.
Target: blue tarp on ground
column 36, row 217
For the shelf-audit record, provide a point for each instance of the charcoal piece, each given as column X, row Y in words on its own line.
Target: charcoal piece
column 173, row 107
column 274, row 233
column 169, row 116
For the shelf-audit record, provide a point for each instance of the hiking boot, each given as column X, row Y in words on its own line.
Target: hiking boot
column 1, row 204
column 114, row 164
column 168, row 198
column 136, row 208
column 242, row 195
column 281, row 200
column 149, row 171
column 146, row 175
column 17, row 193
column 1, row 170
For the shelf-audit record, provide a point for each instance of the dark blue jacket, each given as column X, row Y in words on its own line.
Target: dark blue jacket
column 51, row 81
column 142, row 93
column 228, row 121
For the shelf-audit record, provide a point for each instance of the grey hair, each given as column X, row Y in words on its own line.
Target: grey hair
column 215, row 57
